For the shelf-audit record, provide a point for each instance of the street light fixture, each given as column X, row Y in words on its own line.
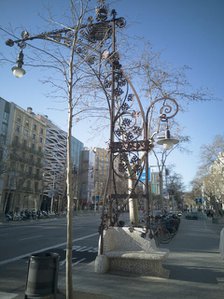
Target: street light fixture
column 17, row 70
column 168, row 110
column 166, row 141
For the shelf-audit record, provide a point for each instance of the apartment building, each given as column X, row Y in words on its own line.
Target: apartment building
column 33, row 161
column 100, row 174
column 86, row 176
column 22, row 137
column 54, row 170
column 94, row 174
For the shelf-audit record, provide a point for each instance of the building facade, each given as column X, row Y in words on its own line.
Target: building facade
column 86, row 176
column 213, row 185
column 76, row 151
column 23, row 138
column 100, row 174
column 54, row 170
column 33, row 154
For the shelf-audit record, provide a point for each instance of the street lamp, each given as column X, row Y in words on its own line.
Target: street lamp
column 17, row 70
column 166, row 141
column 127, row 125
column 168, row 109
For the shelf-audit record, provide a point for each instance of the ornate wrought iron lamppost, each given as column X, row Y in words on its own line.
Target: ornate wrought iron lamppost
column 168, row 110
column 129, row 123
column 129, row 133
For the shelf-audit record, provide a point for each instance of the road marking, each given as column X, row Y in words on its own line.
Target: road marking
column 29, row 238
column 43, row 249
column 84, row 248
column 78, row 262
column 62, row 263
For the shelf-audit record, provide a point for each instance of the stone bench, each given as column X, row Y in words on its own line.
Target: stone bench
column 125, row 250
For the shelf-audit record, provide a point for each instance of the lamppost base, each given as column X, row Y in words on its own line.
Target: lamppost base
column 101, row 264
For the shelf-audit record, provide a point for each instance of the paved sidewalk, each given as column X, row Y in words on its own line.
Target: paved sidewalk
column 196, row 271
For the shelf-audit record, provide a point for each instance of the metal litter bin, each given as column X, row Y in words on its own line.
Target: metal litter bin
column 42, row 276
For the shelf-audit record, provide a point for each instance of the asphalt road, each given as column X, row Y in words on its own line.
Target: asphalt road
column 20, row 240
column 196, row 268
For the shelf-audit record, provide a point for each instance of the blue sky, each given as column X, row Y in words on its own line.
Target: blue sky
column 186, row 32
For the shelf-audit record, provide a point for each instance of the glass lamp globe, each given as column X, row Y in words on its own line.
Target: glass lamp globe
column 167, row 142
column 18, row 72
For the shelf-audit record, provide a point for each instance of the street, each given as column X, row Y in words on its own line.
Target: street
column 195, row 265
column 19, row 240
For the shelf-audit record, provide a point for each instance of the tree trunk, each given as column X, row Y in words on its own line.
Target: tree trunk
column 133, row 206
column 69, row 286
column 161, row 189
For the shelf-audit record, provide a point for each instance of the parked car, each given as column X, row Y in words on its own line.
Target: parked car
column 192, row 216
column 179, row 213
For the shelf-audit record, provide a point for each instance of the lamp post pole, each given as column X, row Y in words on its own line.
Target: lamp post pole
column 167, row 111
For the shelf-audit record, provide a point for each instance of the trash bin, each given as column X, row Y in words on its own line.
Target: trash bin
column 42, row 276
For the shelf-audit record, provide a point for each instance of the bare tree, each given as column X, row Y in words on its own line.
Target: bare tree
column 211, row 153
column 175, row 188
column 210, row 176
column 71, row 80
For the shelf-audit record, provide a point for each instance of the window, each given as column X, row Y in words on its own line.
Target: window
column 18, row 119
column 34, row 137
column 22, row 167
column 39, row 161
column 26, row 133
column 17, row 129
column 34, row 127
column 41, row 140
column 6, row 117
column 30, row 170
column 4, row 129
column 41, row 131
column 36, row 187
column 1, row 154
column 16, row 140
column 2, row 140
column 28, row 184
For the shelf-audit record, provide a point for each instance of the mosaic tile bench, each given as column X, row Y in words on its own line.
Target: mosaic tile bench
column 125, row 250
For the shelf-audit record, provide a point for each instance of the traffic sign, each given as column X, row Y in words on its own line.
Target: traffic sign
column 143, row 175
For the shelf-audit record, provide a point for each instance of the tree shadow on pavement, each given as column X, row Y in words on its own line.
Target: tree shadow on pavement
column 194, row 274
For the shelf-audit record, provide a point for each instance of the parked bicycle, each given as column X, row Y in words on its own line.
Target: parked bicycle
column 158, row 231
